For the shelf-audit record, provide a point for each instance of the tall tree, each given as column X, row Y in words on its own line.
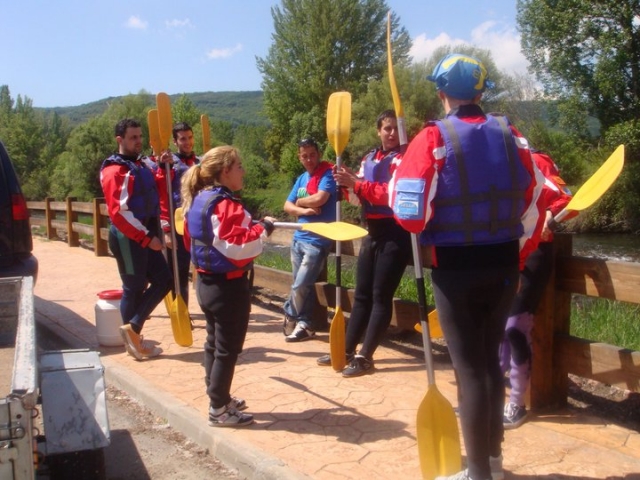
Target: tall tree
column 322, row 46
column 586, row 52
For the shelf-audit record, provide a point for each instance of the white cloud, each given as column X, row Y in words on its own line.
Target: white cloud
column 502, row 40
column 136, row 22
column 423, row 47
column 175, row 23
column 217, row 53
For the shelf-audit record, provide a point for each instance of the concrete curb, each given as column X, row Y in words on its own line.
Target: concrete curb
column 251, row 462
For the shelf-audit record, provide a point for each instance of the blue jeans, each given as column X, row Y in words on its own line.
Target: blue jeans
column 307, row 261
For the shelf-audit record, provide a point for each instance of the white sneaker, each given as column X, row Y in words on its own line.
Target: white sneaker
column 300, row 334
column 497, row 472
column 229, row 417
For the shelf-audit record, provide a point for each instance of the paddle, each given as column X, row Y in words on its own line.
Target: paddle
column 435, row 330
column 338, row 129
column 436, row 423
column 595, row 187
column 206, row 133
column 179, row 313
column 156, row 145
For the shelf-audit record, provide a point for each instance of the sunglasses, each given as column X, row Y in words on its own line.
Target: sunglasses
column 308, row 142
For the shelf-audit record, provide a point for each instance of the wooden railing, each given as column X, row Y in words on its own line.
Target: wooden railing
column 556, row 352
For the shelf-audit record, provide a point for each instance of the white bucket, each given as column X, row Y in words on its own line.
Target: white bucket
column 108, row 318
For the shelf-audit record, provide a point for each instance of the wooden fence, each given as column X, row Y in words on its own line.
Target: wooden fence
column 556, row 352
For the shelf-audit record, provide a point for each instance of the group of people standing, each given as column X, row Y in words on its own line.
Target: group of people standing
column 469, row 185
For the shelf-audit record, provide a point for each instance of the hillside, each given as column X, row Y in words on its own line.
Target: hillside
column 235, row 107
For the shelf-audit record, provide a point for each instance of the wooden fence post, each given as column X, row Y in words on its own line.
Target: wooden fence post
column 49, row 215
column 549, row 385
column 100, row 245
column 561, row 326
column 73, row 237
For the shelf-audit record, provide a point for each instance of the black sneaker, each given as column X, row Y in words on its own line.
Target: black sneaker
column 325, row 360
column 358, row 366
column 229, row 417
column 300, row 334
column 514, row 416
column 289, row 325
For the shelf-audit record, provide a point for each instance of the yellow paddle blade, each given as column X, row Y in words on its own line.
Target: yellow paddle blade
column 437, row 435
column 599, row 182
column 337, row 341
column 339, row 120
column 154, row 131
column 435, row 330
column 206, row 133
column 168, row 302
column 397, row 104
column 181, row 323
column 165, row 123
column 178, row 221
column 338, row 231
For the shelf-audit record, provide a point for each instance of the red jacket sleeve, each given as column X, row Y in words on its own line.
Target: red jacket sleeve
column 117, row 186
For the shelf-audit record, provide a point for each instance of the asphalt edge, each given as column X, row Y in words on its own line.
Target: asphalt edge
column 250, row 461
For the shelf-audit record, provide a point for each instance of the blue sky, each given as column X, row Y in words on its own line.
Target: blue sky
column 71, row 52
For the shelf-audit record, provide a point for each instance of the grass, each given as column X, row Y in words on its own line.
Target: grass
column 606, row 321
column 596, row 319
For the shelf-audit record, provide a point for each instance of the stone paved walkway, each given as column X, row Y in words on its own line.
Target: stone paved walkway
column 310, row 422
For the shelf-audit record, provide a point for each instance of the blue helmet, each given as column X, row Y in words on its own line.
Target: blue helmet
column 460, row 76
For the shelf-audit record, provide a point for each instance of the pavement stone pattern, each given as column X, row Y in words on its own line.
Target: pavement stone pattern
column 310, row 421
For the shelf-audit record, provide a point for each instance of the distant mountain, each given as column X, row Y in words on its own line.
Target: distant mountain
column 234, row 107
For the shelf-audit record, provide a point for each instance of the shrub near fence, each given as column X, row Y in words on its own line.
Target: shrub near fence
column 556, row 352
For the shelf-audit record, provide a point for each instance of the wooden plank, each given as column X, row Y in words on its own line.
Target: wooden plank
column 82, row 228
column 273, row 279
column 405, row 313
column 82, row 207
column 59, row 224
column 58, row 206
column 37, row 221
column 605, row 363
column 599, row 278
column 36, row 205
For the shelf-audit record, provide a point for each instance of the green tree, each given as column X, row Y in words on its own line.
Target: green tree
column 77, row 170
column 319, row 47
column 586, row 53
column 184, row 110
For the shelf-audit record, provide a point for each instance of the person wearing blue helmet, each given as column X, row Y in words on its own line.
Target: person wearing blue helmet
column 467, row 184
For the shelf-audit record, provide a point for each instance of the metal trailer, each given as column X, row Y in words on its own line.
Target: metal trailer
column 61, row 392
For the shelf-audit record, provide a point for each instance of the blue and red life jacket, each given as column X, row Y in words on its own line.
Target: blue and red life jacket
column 144, row 202
column 203, row 254
column 377, row 172
column 480, row 192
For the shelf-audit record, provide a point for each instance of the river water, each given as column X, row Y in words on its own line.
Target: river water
column 609, row 246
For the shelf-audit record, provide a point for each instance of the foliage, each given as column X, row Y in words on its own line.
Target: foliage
column 587, row 53
column 316, row 52
column 237, row 108
column 33, row 139
column 184, row 110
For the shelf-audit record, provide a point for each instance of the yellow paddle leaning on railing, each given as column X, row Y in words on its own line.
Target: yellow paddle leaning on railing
column 179, row 313
column 338, row 130
column 156, row 145
column 436, row 423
